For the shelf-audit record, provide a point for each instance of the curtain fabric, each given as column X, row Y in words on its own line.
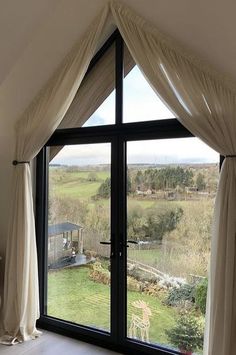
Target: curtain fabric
column 205, row 104
column 21, row 299
column 95, row 88
column 203, row 101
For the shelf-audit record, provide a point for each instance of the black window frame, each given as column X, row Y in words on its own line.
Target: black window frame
column 118, row 134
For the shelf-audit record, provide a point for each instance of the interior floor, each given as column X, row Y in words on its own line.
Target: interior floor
column 51, row 344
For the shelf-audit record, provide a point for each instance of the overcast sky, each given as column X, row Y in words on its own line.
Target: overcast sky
column 140, row 104
column 167, row 151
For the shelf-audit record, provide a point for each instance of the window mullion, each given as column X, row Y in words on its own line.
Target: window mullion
column 119, row 79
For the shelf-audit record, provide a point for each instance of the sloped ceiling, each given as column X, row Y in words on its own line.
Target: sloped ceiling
column 35, row 35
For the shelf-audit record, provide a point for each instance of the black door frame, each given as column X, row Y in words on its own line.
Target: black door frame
column 117, row 134
column 118, row 137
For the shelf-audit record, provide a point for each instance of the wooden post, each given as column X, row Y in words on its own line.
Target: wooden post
column 80, row 241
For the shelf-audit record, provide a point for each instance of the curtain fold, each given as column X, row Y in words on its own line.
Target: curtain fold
column 205, row 104
column 95, row 88
column 21, row 299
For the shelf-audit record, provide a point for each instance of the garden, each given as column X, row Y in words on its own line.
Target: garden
column 169, row 218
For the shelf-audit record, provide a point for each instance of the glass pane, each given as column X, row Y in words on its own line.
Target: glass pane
column 78, row 221
column 101, row 103
column 171, row 190
column 140, row 101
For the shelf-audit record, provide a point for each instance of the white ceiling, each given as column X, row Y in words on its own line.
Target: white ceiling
column 35, row 35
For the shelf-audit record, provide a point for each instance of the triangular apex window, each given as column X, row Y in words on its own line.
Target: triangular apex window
column 95, row 101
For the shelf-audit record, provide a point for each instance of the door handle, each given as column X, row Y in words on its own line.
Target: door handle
column 108, row 243
column 129, row 241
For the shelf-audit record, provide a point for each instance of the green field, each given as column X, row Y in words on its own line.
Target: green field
column 75, row 184
column 74, row 297
column 77, row 189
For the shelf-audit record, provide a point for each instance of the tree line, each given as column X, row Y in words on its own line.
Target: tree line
column 164, row 178
column 157, row 179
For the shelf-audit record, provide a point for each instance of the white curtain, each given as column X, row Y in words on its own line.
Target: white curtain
column 95, row 88
column 205, row 103
column 21, row 299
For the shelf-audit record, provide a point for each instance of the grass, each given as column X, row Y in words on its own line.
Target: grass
column 77, row 189
column 149, row 257
column 74, row 297
column 75, row 184
column 144, row 203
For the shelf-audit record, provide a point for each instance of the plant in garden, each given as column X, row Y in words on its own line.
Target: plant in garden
column 92, row 176
column 104, row 190
column 160, row 223
column 186, row 334
column 201, row 295
column 178, row 296
column 200, row 182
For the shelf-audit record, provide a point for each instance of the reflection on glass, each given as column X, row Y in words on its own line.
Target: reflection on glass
column 78, row 221
column 140, row 101
column 171, row 189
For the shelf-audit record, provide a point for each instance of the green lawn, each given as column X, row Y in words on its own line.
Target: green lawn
column 74, row 297
column 75, row 184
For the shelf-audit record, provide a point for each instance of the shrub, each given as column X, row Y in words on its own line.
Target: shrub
column 133, row 285
column 201, row 295
column 187, row 333
column 177, row 296
column 142, row 275
column 104, row 190
column 99, row 274
column 152, row 289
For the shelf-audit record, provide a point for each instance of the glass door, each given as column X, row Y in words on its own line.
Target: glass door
column 171, row 187
column 128, row 241
column 79, row 233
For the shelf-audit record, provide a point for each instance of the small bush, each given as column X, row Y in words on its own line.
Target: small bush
column 99, row 274
column 201, row 295
column 152, row 289
column 133, row 285
column 187, row 333
column 142, row 276
column 178, row 296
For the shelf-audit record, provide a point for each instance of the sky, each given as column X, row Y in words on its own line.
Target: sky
column 140, row 104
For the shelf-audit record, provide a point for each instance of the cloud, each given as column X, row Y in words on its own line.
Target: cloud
column 164, row 151
column 84, row 154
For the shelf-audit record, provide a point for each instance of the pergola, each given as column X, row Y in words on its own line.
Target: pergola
column 62, row 238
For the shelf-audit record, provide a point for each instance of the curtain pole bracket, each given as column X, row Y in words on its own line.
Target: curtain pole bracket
column 16, row 162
